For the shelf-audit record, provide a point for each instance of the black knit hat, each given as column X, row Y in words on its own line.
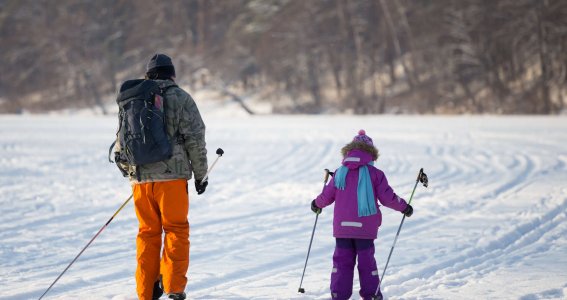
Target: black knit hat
column 160, row 67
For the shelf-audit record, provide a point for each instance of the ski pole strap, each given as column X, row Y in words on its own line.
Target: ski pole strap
column 138, row 175
column 110, row 151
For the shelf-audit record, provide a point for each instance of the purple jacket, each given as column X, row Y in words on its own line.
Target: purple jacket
column 346, row 222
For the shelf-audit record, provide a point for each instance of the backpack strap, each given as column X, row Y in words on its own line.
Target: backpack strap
column 120, row 117
column 163, row 90
column 138, row 175
column 177, row 136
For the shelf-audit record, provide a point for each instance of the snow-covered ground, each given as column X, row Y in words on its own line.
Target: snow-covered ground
column 492, row 224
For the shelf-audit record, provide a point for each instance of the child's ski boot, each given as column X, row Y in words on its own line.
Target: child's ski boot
column 378, row 297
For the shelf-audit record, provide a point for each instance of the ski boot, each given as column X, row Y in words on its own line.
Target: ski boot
column 177, row 296
column 158, row 290
column 378, row 297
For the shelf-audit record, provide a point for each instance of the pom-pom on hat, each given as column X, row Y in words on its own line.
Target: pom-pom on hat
column 362, row 137
column 362, row 142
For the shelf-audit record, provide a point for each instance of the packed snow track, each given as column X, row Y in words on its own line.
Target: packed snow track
column 491, row 225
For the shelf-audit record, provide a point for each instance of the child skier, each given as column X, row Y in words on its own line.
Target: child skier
column 354, row 189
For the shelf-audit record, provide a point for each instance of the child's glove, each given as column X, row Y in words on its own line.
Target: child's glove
column 408, row 211
column 315, row 208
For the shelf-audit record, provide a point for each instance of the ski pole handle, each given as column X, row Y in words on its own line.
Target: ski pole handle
column 327, row 173
column 219, row 152
column 421, row 177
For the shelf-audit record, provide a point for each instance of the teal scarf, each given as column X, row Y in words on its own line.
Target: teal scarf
column 365, row 193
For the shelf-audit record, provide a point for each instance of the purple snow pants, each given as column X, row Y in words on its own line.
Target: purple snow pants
column 344, row 260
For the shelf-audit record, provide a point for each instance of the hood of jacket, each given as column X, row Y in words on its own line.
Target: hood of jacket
column 373, row 151
column 356, row 158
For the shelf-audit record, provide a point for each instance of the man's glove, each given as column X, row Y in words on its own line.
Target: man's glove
column 200, row 186
column 315, row 208
column 408, row 211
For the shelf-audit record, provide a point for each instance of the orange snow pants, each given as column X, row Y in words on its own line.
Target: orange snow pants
column 162, row 207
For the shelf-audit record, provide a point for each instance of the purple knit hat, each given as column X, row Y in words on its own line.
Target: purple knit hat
column 362, row 137
column 361, row 142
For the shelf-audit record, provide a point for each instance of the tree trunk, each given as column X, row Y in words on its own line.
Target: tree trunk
column 313, row 75
column 94, row 91
column 543, row 58
column 348, row 35
column 238, row 100
column 202, row 30
column 396, row 41
column 376, row 102
column 413, row 71
column 336, row 70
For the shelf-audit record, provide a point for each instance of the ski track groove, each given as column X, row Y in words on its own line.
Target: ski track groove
column 490, row 256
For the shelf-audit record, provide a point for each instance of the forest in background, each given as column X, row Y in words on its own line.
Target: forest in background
column 318, row 56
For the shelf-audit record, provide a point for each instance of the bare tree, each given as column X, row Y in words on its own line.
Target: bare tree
column 367, row 56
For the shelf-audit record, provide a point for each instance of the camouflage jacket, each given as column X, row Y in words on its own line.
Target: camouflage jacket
column 186, row 130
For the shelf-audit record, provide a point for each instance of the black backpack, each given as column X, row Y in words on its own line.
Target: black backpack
column 142, row 129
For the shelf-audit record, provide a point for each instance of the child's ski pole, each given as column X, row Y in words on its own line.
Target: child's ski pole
column 421, row 177
column 302, row 290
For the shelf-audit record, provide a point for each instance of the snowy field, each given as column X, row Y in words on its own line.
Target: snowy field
column 492, row 224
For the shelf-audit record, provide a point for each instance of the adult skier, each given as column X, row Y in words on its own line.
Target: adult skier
column 160, row 190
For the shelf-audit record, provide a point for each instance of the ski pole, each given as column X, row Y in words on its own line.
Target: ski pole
column 94, row 237
column 219, row 152
column 421, row 177
column 302, row 290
